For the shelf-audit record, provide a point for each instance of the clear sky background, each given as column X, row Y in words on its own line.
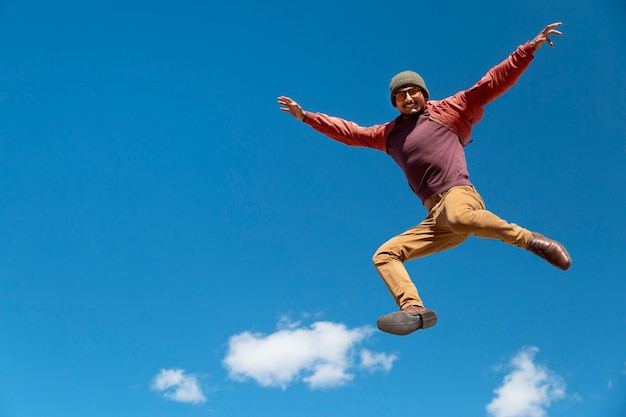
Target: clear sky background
column 174, row 245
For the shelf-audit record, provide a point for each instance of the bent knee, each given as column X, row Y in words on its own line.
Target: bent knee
column 382, row 257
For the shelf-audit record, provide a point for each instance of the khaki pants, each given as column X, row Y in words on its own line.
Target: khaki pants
column 452, row 217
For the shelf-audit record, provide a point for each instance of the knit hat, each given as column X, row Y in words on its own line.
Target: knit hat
column 403, row 79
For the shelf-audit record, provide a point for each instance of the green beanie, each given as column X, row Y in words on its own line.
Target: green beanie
column 402, row 80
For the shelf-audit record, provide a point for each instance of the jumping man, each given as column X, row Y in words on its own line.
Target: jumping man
column 427, row 142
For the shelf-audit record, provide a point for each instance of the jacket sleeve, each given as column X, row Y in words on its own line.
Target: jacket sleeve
column 350, row 133
column 500, row 78
column 464, row 109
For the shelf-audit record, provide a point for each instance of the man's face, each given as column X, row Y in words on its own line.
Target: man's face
column 410, row 101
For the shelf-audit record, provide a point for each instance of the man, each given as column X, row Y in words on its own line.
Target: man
column 427, row 142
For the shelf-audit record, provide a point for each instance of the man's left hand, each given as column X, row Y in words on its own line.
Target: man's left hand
column 544, row 36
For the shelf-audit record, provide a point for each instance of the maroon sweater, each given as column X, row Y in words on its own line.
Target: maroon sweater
column 431, row 156
column 429, row 148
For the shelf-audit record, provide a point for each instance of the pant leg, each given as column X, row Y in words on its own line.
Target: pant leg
column 430, row 236
column 465, row 213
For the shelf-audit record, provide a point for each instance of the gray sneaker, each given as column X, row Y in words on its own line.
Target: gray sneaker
column 407, row 320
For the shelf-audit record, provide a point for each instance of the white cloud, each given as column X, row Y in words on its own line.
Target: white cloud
column 322, row 356
column 377, row 361
column 528, row 390
column 177, row 386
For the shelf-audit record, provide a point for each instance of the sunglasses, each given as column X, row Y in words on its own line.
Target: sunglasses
column 413, row 92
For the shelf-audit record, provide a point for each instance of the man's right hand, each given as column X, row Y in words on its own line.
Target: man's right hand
column 291, row 107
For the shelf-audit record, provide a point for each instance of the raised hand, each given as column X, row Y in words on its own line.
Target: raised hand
column 291, row 107
column 544, row 36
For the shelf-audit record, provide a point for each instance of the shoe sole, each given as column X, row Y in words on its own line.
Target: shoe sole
column 400, row 323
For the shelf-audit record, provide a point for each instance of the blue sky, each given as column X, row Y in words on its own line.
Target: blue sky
column 174, row 245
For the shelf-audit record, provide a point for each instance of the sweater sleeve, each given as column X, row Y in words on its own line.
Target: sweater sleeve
column 464, row 109
column 501, row 77
column 349, row 133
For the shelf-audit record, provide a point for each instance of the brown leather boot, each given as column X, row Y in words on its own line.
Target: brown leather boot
column 550, row 250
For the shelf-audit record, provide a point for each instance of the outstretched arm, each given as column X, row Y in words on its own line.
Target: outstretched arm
column 544, row 36
column 468, row 106
column 291, row 107
column 339, row 129
column 501, row 77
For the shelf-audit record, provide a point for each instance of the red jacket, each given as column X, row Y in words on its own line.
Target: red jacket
column 458, row 113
